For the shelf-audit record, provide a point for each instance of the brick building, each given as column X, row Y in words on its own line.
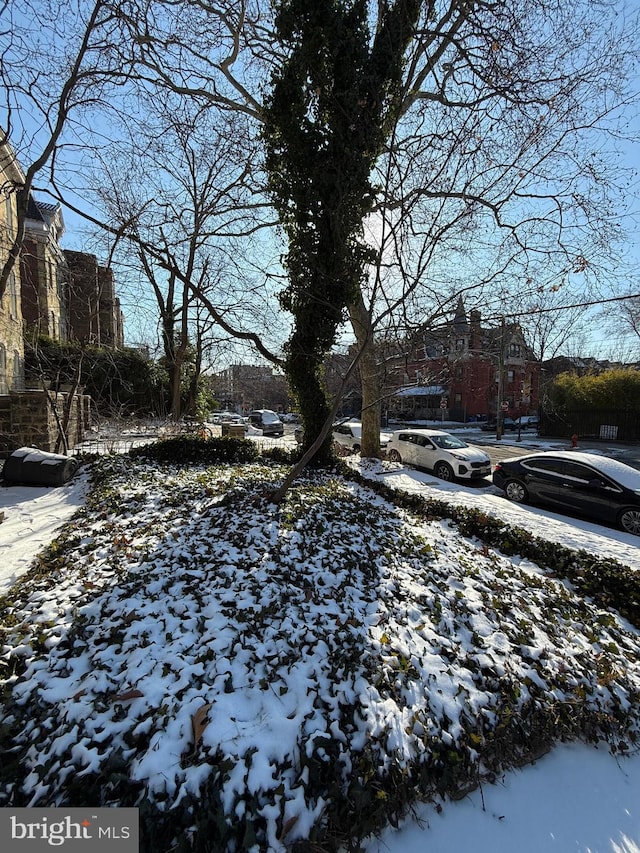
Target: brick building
column 465, row 369
column 65, row 295
column 94, row 314
column 242, row 387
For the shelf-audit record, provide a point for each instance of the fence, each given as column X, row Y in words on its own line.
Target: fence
column 606, row 424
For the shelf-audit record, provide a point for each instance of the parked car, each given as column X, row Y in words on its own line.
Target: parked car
column 225, row 418
column 507, row 424
column 446, row 455
column 267, row 421
column 528, row 422
column 349, row 434
column 595, row 486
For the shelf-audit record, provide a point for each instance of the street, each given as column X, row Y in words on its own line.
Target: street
column 509, row 446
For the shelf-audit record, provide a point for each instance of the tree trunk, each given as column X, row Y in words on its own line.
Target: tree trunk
column 370, row 379
column 304, row 365
column 176, row 384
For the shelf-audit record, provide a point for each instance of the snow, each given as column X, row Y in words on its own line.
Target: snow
column 628, row 477
column 577, row 797
column 33, row 515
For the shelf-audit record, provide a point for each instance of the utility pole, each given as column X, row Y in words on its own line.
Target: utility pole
column 499, row 412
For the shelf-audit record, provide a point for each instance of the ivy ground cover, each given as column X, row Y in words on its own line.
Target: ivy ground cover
column 262, row 677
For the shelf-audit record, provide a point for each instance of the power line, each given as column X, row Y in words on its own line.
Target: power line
column 550, row 310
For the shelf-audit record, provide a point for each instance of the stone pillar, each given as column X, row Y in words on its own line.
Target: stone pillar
column 27, row 420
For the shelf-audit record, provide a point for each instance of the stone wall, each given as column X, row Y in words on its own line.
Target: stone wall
column 27, row 419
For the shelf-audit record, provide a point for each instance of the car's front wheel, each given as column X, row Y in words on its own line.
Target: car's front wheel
column 516, row 491
column 443, row 471
column 630, row 521
column 394, row 456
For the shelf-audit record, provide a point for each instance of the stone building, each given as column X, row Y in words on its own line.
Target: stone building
column 63, row 295
column 242, row 387
column 11, row 338
column 43, row 272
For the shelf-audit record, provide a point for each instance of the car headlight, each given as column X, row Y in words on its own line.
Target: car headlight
column 459, row 456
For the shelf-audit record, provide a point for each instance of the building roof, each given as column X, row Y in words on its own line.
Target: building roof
column 49, row 215
column 33, row 210
column 421, row 391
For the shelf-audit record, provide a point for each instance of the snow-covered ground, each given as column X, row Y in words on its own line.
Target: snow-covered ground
column 577, row 798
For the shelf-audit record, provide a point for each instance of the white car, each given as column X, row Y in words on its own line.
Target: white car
column 440, row 452
column 349, row 434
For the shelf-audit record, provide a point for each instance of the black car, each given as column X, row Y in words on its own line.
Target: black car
column 507, row 424
column 589, row 485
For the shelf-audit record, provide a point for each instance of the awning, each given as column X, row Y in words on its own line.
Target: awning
column 421, row 391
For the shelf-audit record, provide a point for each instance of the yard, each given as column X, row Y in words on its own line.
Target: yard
column 262, row 677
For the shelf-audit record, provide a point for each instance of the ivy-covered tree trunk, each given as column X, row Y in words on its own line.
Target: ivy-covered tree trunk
column 325, row 124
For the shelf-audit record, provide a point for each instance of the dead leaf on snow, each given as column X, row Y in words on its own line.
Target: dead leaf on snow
column 288, row 826
column 199, row 722
column 128, row 694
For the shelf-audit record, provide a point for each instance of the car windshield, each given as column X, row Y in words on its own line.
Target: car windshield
column 269, row 417
column 447, row 442
column 623, row 474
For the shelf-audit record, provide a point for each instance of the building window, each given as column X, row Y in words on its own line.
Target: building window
column 9, row 214
column 511, row 375
column 515, row 350
column 459, row 372
column 13, row 296
column 457, row 401
column 3, row 370
column 460, row 344
column 18, row 372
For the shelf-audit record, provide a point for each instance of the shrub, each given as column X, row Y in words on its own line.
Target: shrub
column 609, row 583
column 194, row 449
column 281, row 455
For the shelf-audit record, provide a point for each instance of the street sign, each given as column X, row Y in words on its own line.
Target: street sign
column 505, row 406
column 443, row 404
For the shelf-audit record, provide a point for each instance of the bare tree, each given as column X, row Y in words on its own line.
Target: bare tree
column 466, row 136
column 185, row 218
column 61, row 67
column 622, row 319
column 497, row 165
